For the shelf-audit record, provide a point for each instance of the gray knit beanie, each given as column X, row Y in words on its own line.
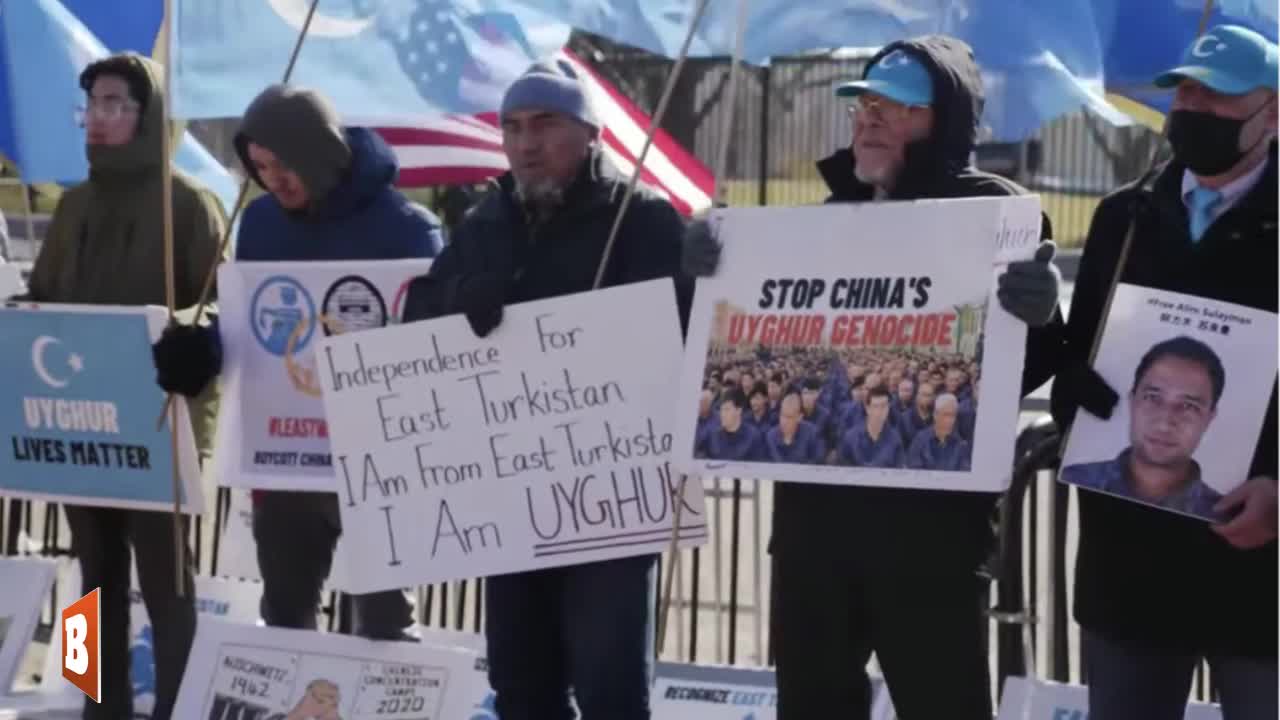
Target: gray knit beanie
column 303, row 130
column 551, row 86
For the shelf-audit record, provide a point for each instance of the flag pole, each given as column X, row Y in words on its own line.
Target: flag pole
column 722, row 159
column 223, row 246
column 170, row 290
column 654, row 123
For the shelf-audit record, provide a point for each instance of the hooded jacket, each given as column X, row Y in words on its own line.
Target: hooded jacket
column 355, row 213
column 105, row 242
column 931, row 531
column 1143, row 576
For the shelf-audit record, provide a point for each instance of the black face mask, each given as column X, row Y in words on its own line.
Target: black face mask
column 1207, row 144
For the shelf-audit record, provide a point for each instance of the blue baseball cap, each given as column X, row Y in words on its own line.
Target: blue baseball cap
column 1229, row 59
column 898, row 76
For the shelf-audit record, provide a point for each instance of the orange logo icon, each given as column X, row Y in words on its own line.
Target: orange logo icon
column 81, row 649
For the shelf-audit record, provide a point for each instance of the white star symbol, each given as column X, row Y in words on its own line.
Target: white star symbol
column 441, row 66
column 76, row 362
column 413, row 57
column 422, row 26
column 442, row 15
column 451, row 38
column 431, row 46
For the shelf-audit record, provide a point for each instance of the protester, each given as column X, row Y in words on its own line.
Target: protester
column 586, row 627
column 884, row 570
column 104, row 246
column 1157, row 592
column 330, row 196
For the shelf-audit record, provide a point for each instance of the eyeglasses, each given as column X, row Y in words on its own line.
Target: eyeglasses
column 106, row 109
column 880, row 108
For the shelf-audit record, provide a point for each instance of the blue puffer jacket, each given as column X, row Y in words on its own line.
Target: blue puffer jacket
column 364, row 218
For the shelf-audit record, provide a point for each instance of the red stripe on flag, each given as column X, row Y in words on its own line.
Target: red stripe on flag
column 405, row 136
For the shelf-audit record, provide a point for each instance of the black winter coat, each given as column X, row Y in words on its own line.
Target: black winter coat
column 559, row 256
column 1145, row 576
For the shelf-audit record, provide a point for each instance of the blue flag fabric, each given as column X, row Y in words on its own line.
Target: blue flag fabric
column 1040, row 58
column 374, row 58
column 1139, row 42
column 78, row 409
column 43, row 49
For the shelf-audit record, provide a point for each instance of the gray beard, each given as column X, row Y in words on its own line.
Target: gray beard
column 540, row 196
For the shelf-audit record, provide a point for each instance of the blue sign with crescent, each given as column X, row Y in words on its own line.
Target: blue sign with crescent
column 78, row 409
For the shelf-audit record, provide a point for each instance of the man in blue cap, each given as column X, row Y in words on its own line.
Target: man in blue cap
column 893, row 571
column 1158, row 592
column 584, row 631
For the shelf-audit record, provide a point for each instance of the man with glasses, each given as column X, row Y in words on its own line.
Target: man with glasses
column 104, row 246
column 1158, row 592
column 896, row 571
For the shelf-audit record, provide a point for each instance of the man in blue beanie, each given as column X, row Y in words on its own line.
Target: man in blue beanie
column 540, row 232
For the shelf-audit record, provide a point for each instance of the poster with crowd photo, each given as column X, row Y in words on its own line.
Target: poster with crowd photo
column 546, row 443
column 1194, row 378
column 26, row 584
column 79, row 406
column 272, row 430
column 240, row 671
column 855, row 344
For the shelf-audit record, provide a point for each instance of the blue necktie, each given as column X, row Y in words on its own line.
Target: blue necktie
column 1203, row 201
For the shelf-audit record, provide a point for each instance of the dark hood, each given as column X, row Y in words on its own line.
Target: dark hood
column 302, row 129
column 958, row 101
column 373, row 168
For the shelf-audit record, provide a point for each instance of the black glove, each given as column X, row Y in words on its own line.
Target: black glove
column 1029, row 289
column 187, row 358
column 480, row 297
column 1091, row 391
column 700, row 252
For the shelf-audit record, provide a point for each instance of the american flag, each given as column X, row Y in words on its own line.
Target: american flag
column 467, row 149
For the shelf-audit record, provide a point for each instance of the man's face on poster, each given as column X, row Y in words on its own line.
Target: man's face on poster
column 955, row 378
column 730, row 416
column 877, row 412
column 905, row 391
column 1172, row 407
column 775, row 392
column 856, row 371
column 748, row 381
column 944, row 417
column 873, row 380
column 809, row 398
column 922, row 377
column 924, row 400
column 759, row 403
column 704, row 403
column 859, row 394
column 789, row 415
column 895, row 377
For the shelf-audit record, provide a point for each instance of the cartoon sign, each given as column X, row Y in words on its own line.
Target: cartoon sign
column 272, row 430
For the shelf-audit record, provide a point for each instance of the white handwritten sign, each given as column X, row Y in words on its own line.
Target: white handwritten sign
column 10, row 280
column 545, row 444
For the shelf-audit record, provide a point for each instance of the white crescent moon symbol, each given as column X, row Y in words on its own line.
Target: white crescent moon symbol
column 37, row 361
column 1198, row 48
column 294, row 12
